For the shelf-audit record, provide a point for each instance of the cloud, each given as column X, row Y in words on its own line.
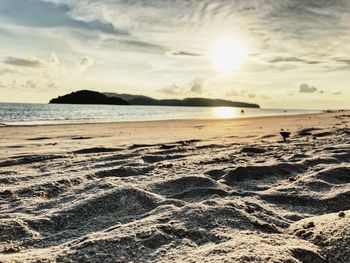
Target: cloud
column 232, row 93
column 30, row 84
column 14, row 83
column 184, row 54
column 43, row 14
column 32, row 62
column 263, row 96
column 287, row 27
column 305, row 88
column 86, row 62
column 53, row 60
column 24, row 62
column 339, row 65
column 54, row 86
column 7, row 71
column 345, row 61
column 35, row 85
column 172, row 89
column 248, row 94
column 142, row 45
column 280, row 27
column 293, row 60
column 241, row 93
column 134, row 45
column 196, row 86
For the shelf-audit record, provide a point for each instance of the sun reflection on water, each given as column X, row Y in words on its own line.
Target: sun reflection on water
column 226, row 112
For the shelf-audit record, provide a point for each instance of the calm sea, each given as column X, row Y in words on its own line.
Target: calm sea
column 19, row 113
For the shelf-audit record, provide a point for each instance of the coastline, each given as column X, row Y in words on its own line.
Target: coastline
column 82, row 122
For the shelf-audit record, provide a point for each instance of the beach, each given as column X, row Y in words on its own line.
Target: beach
column 225, row 190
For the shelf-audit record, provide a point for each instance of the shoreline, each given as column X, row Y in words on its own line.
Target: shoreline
column 33, row 124
column 71, row 137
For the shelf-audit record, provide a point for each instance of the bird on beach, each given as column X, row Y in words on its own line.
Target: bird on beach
column 285, row 134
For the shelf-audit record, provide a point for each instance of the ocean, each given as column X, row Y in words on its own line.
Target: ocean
column 31, row 114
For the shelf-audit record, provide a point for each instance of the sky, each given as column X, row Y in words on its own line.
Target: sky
column 277, row 53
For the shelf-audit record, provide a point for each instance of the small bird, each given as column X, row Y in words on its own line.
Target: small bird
column 285, row 135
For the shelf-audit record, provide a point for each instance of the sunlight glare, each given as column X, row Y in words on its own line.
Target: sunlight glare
column 228, row 56
column 225, row 112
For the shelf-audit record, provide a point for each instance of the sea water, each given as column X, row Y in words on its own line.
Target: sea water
column 27, row 114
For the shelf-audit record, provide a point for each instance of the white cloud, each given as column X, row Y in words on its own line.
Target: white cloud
column 53, row 60
column 30, row 84
column 196, row 86
column 86, row 62
column 30, row 62
column 172, row 89
column 7, row 71
column 232, row 93
column 305, row 88
column 241, row 93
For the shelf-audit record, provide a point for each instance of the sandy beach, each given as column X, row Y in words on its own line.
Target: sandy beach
column 177, row 191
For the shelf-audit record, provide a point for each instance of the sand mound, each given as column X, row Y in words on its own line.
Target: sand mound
column 337, row 175
column 48, row 190
column 329, row 232
column 15, row 230
column 96, row 150
column 280, row 170
column 158, row 158
column 125, row 171
column 21, row 160
column 170, row 187
column 117, row 205
column 253, row 150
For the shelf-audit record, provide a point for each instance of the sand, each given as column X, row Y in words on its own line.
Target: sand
column 177, row 191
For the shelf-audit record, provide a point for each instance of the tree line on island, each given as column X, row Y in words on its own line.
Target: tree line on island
column 108, row 98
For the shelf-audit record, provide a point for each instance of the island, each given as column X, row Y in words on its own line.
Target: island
column 93, row 97
column 88, row 97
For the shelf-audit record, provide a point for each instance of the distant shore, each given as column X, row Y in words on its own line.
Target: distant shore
column 93, row 97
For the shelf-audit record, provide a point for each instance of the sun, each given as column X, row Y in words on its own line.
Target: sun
column 227, row 56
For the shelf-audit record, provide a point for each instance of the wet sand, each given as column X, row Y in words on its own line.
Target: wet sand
column 177, row 191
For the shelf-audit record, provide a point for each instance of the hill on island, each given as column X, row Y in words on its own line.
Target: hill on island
column 93, row 97
column 193, row 102
column 125, row 96
column 89, row 97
